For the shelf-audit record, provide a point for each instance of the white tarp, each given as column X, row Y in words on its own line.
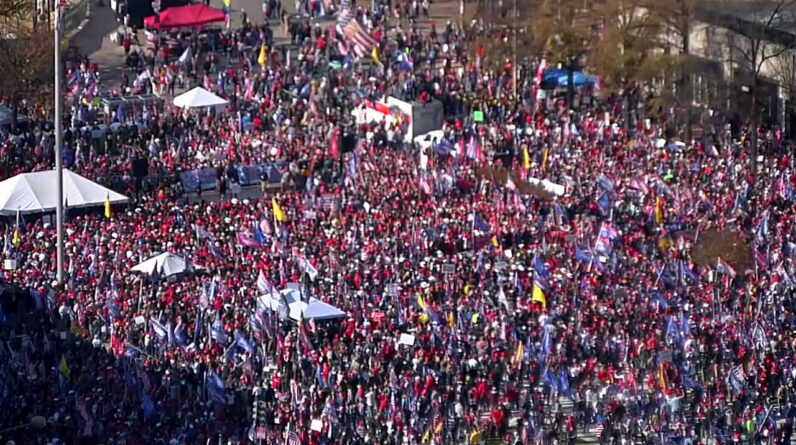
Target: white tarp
column 167, row 264
column 550, row 187
column 36, row 192
column 198, row 98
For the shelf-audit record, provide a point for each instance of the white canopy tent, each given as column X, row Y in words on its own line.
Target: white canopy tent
column 36, row 192
column 297, row 309
column 198, row 98
column 167, row 264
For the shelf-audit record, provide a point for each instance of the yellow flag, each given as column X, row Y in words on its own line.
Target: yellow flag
column 375, row 54
column 426, row 437
column 495, row 242
column 279, row 214
column 538, row 295
column 475, row 436
column 438, row 427
column 544, row 158
column 107, row 206
column 15, row 238
column 451, row 320
column 424, row 318
column 659, row 210
column 518, row 353
column 662, row 378
column 526, row 158
column 421, row 302
column 665, row 243
column 63, row 367
column 263, row 57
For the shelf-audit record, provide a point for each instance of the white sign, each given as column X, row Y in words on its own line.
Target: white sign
column 406, row 339
column 316, row 425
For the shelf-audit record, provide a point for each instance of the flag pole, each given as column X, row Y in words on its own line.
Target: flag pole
column 59, row 208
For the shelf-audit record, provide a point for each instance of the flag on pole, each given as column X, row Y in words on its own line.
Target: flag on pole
column 215, row 388
column 375, row 54
column 517, row 359
column 16, row 239
column 526, row 158
column 63, row 367
column 538, row 295
column 263, row 285
column 723, row 267
column 263, row 57
column 279, row 214
column 107, row 206
column 659, row 211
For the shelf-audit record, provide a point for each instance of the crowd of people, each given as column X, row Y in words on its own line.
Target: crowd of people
column 475, row 310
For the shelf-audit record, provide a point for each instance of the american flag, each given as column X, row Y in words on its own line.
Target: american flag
column 88, row 422
column 598, row 430
column 293, row 438
column 354, row 34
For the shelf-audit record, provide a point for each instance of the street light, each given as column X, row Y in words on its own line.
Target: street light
column 59, row 206
column 36, row 422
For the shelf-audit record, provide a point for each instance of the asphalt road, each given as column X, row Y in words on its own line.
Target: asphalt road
column 94, row 39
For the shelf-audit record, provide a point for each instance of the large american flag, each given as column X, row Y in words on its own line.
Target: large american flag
column 352, row 32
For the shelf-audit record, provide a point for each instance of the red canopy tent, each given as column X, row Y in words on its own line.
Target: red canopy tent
column 185, row 16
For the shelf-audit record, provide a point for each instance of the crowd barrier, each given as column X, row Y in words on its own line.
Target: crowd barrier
column 207, row 177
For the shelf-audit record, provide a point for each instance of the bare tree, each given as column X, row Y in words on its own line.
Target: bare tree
column 568, row 32
column 676, row 20
column 759, row 35
column 26, row 71
column 784, row 68
column 626, row 52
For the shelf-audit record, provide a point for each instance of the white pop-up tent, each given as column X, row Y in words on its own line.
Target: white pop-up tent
column 198, row 98
column 166, row 264
column 37, row 192
column 298, row 309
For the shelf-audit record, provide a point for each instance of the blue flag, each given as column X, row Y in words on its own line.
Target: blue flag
column 242, row 342
column 215, row 388
column 147, row 406
column 215, row 250
column 217, row 332
column 479, row 224
column 604, row 203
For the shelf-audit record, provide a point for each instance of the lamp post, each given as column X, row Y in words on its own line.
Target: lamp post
column 59, row 207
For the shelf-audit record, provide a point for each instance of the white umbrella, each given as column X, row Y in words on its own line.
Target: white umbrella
column 198, row 98
column 166, row 264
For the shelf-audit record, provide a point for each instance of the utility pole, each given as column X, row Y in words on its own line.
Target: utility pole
column 59, row 208
column 515, row 69
column 461, row 15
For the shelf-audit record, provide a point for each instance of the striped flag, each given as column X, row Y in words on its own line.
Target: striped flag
column 293, row 438
column 355, row 35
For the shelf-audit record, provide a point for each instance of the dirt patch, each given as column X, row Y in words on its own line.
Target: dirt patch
column 730, row 246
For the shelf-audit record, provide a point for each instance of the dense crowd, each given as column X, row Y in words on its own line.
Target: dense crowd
column 474, row 310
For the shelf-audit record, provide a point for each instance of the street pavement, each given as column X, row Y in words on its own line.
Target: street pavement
column 94, row 39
